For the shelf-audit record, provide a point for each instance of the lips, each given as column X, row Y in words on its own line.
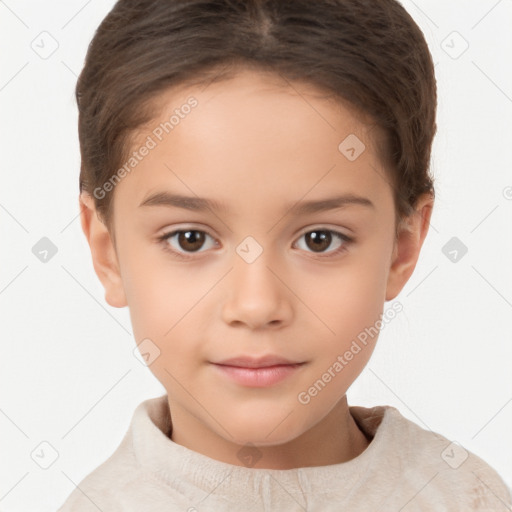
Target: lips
column 257, row 362
column 257, row 372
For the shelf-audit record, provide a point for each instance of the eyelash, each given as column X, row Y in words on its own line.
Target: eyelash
column 344, row 238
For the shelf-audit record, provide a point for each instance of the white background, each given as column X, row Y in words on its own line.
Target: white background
column 68, row 374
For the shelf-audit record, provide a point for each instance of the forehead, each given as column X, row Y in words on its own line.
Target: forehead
column 255, row 135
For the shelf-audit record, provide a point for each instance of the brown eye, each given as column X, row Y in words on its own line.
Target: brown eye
column 183, row 241
column 191, row 240
column 319, row 240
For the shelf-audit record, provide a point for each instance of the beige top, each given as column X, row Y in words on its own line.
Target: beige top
column 405, row 468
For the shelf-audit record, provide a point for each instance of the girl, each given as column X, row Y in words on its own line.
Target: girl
column 254, row 187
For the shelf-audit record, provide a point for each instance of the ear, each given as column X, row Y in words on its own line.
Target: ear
column 408, row 245
column 103, row 252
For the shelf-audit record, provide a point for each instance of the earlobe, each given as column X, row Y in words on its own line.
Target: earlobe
column 103, row 253
column 408, row 245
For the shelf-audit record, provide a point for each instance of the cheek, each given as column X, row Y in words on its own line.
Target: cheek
column 353, row 311
column 159, row 303
column 347, row 298
column 169, row 303
column 155, row 291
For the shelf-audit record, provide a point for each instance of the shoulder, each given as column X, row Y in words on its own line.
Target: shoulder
column 121, row 482
column 432, row 469
column 104, row 485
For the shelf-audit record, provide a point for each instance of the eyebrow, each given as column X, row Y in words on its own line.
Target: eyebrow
column 201, row 204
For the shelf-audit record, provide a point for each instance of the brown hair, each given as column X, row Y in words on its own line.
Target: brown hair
column 369, row 53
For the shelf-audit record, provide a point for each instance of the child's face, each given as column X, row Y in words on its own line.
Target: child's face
column 258, row 283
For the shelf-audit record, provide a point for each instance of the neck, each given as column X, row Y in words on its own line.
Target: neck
column 333, row 440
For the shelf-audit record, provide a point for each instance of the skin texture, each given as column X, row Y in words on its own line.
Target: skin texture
column 259, row 145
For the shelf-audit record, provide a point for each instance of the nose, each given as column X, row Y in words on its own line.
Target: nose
column 257, row 296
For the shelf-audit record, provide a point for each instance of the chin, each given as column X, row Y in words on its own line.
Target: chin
column 263, row 430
